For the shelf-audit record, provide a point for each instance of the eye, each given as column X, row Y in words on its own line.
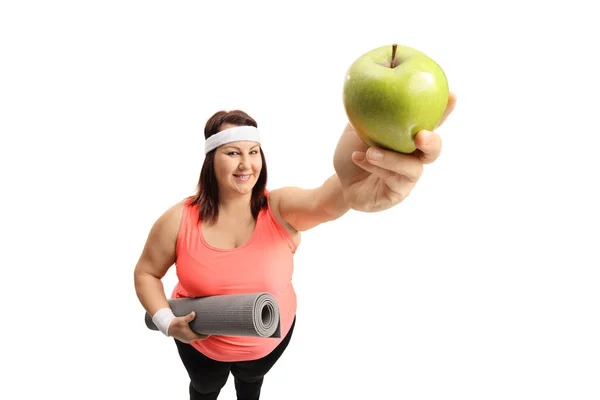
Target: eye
column 232, row 153
column 254, row 152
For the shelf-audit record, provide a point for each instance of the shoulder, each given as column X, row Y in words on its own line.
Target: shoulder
column 166, row 226
column 159, row 251
column 174, row 213
column 274, row 201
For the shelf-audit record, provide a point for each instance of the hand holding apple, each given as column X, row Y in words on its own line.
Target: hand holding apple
column 392, row 92
column 393, row 108
column 375, row 179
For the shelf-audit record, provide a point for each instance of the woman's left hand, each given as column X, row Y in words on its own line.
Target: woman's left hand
column 375, row 179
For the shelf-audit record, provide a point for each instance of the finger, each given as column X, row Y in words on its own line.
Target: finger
column 360, row 159
column 190, row 317
column 396, row 182
column 394, row 163
column 449, row 108
column 429, row 146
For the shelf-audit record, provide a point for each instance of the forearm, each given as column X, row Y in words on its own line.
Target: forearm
column 150, row 292
column 330, row 198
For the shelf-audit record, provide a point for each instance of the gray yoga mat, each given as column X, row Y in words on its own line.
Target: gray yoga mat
column 247, row 314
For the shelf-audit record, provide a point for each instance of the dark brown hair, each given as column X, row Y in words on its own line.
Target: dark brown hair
column 207, row 194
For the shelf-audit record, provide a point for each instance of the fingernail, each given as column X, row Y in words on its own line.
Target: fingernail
column 358, row 156
column 375, row 154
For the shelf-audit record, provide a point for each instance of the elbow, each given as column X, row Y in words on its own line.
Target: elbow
column 138, row 280
column 141, row 277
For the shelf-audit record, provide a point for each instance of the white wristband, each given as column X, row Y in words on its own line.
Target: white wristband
column 162, row 319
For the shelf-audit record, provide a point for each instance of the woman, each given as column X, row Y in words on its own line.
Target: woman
column 234, row 236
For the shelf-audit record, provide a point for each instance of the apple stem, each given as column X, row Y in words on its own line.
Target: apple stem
column 394, row 46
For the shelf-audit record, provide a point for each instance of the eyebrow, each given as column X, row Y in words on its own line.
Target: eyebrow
column 237, row 148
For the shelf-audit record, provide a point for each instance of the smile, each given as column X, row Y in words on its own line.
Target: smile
column 242, row 177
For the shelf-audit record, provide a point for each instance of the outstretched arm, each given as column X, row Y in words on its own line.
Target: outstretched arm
column 304, row 209
column 363, row 181
column 375, row 179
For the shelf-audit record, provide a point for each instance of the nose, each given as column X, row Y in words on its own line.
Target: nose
column 244, row 163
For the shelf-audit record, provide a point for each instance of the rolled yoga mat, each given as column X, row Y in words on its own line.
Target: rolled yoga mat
column 247, row 314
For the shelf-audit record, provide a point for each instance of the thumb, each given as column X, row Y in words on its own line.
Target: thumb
column 189, row 317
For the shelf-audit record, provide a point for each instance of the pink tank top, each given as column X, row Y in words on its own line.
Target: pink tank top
column 263, row 264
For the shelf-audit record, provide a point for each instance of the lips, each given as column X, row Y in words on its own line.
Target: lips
column 244, row 177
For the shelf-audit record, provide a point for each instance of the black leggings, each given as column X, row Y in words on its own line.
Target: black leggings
column 208, row 376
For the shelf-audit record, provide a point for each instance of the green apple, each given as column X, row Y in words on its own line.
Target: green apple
column 392, row 92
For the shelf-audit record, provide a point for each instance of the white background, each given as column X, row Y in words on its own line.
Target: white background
column 483, row 284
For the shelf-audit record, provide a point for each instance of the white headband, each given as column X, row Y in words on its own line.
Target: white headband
column 237, row 133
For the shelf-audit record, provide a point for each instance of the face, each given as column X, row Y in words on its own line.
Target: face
column 237, row 165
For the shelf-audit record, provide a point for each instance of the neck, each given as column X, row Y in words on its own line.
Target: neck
column 234, row 203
